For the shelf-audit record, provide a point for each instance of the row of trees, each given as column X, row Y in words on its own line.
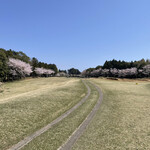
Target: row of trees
column 69, row 73
column 17, row 65
column 73, row 72
column 120, row 69
column 124, row 65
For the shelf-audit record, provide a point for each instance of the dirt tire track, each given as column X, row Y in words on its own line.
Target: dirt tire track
column 79, row 131
column 28, row 139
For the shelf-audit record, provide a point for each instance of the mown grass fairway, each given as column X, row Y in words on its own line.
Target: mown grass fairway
column 123, row 121
column 28, row 105
column 58, row 135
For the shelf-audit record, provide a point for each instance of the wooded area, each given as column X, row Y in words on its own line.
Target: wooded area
column 16, row 65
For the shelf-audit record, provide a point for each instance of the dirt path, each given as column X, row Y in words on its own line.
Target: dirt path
column 28, row 139
column 76, row 135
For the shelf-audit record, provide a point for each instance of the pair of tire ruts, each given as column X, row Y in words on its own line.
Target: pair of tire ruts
column 77, row 133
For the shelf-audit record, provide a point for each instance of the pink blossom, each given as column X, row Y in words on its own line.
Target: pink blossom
column 41, row 71
column 18, row 67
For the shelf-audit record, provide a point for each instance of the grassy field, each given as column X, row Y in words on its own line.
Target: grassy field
column 123, row 121
column 28, row 105
column 58, row 135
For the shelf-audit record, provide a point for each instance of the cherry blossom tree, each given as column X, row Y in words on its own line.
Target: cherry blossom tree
column 114, row 72
column 19, row 68
column 44, row 72
column 105, row 72
column 96, row 73
column 146, row 71
column 128, row 73
column 83, row 73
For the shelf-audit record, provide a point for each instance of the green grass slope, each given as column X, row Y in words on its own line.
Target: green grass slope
column 28, row 105
column 123, row 121
column 58, row 135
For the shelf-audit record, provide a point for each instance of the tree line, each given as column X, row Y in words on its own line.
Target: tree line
column 16, row 65
column 120, row 69
column 124, row 65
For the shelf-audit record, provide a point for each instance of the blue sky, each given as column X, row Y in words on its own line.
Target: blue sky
column 76, row 33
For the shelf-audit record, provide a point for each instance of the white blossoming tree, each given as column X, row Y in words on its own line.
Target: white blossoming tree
column 146, row 71
column 96, row 73
column 44, row 72
column 18, row 68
